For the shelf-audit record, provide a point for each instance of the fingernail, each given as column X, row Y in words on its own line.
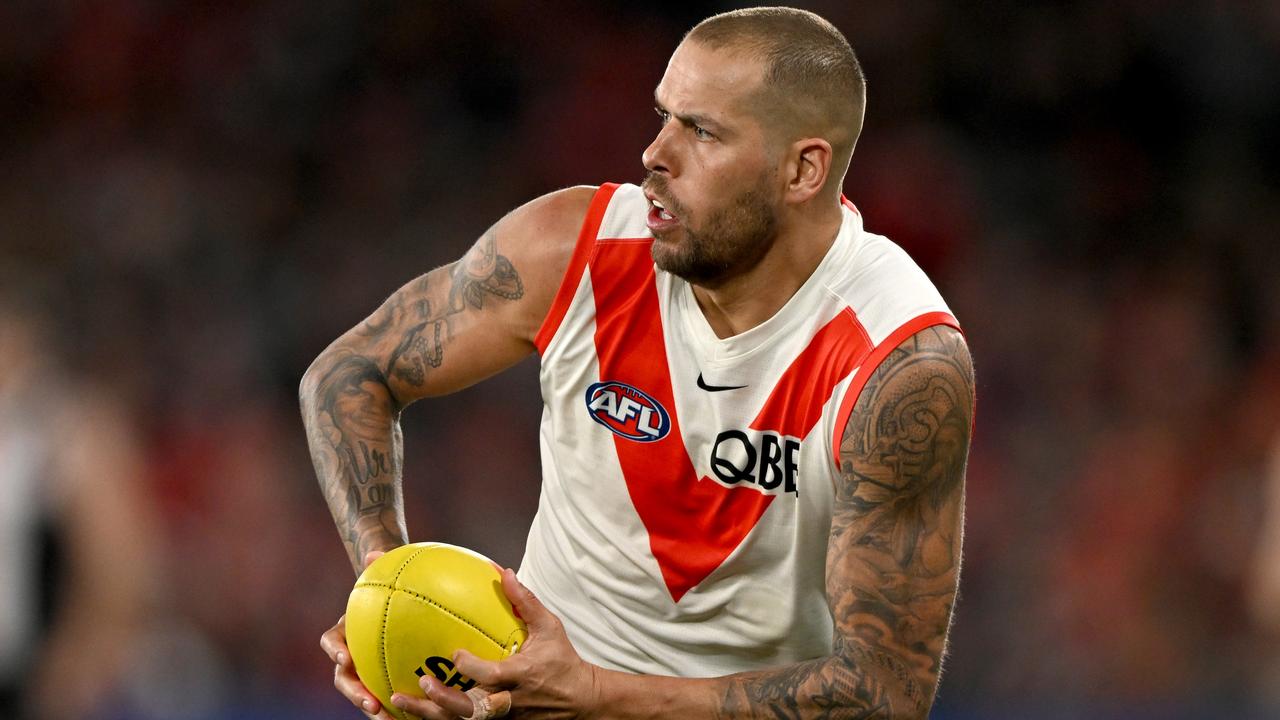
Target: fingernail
column 342, row 658
column 364, row 704
column 398, row 701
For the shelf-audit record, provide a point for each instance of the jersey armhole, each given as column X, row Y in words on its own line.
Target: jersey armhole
column 577, row 264
column 872, row 363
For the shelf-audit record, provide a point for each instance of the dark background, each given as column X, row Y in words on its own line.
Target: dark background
column 208, row 193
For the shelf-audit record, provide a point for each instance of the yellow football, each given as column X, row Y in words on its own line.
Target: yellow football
column 412, row 608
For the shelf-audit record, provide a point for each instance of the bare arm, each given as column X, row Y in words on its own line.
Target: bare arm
column 893, row 562
column 445, row 330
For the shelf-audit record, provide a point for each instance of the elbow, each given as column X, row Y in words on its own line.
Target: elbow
column 320, row 377
column 340, row 371
column 309, row 385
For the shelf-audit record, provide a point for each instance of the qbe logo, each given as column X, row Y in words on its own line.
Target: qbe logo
column 766, row 460
column 628, row 411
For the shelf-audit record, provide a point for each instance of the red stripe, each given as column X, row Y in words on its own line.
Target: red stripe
column 692, row 525
column 877, row 356
column 795, row 404
column 577, row 263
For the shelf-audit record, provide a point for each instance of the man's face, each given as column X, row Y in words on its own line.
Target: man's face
column 712, row 183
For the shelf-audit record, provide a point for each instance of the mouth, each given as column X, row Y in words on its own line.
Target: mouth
column 662, row 209
column 660, row 219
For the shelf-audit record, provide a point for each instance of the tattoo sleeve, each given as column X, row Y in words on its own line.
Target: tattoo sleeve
column 893, row 559
column 354, row 392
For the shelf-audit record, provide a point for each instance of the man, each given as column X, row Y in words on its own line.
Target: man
column 757, row 414
column 77, row 530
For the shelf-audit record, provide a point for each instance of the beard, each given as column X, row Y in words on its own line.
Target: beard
column 731, row 240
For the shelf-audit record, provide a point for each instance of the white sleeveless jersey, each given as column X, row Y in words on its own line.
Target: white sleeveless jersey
column 688, row 480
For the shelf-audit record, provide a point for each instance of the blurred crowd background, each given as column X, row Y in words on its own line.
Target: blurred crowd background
column 195, row 198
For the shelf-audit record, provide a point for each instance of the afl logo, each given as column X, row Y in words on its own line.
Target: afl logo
column 627, row 411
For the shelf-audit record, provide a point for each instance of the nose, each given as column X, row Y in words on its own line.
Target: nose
column 658, row 157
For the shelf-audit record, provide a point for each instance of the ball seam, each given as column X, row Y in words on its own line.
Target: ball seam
column 386, row 615
column 423, row 598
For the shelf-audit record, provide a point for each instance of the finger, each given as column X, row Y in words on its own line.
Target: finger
column 527, row 606
column 382, row 714
column 372, row 555
column 347, row 683
column 423, row 708
column 500, row 703
column 485, row 672
column 334, row 643
column 451, row 699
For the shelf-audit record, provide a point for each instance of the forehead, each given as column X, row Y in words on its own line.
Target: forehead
column 714, row 82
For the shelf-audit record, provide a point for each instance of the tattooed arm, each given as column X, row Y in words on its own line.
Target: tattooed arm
column 893, row 561
column 445, row 330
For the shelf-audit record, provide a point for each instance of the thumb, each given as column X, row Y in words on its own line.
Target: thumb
column 372, row 555
column 526, row 605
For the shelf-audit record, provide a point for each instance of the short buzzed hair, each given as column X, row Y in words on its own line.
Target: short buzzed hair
column 808, row 65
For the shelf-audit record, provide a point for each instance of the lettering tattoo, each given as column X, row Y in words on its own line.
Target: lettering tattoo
column 350, row 429
column 893, row 559
column 354, row 392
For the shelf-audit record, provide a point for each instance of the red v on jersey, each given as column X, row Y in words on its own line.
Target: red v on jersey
column 694, row 524
column 796, row 402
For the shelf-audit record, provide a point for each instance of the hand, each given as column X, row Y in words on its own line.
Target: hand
column 334, row 644
column 546, row 679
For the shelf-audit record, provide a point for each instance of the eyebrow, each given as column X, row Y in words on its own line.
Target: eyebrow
column 689, row 119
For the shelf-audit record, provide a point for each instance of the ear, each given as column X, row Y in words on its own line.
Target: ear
column 808, row 169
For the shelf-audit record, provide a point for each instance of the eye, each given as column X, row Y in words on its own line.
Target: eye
column 702, row 134
column 663, row 115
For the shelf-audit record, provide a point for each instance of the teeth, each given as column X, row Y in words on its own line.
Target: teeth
column 665, row 215
column 658, row 205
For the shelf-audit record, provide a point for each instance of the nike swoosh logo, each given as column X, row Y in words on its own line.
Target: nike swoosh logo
column 717, row 388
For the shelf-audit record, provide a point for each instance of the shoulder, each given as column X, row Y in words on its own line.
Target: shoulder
column 540, row 235
column 925, row 383
column 537, row 240
column 880, row 282
column 551, row 219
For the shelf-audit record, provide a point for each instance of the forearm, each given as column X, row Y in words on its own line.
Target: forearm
column 353, row 430
column 864, row 683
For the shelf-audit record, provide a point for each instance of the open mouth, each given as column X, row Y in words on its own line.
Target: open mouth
column 660, row 219
column 662, row 212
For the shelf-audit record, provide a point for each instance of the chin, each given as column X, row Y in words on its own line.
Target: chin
column 666, row 244
column 667, row 256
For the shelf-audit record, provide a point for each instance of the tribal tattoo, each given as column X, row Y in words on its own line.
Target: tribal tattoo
column 354, row 392
column 893, row 560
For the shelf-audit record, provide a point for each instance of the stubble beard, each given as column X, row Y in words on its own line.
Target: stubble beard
column 731, row 240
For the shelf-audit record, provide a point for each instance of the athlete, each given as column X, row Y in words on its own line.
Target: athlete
column 756, row 424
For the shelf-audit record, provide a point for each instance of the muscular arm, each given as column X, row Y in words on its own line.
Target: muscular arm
column 445, row 330
column 893, row 559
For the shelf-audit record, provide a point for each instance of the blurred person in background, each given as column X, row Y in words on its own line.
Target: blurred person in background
column 76, row 556
column 1264, row 584
column 828, row 589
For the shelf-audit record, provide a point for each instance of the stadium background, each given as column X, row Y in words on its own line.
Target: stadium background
column 211, row 192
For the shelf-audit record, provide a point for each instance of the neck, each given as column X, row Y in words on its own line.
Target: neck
column 736, row 305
